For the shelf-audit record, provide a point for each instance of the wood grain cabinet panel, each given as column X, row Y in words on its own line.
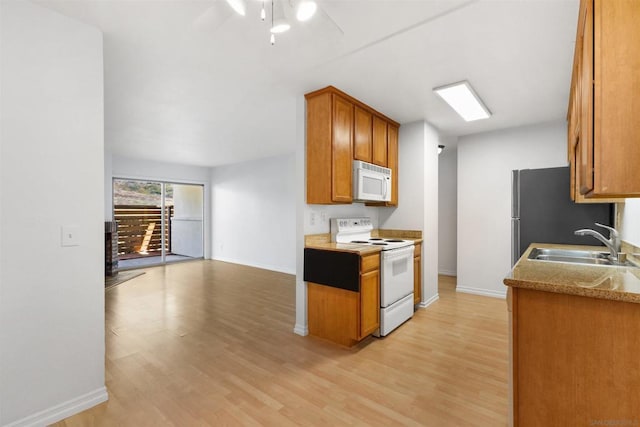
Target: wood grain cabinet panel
column 362, row 135
column 575, row 360
column 417, row 279
column 329, row 149
column 342, row 316
column 586, row 101
column 604, row 114
column 342, row 147
column 369, row 303
column 379, row 141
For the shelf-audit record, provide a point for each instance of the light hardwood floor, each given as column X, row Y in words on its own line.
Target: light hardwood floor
column 210, row 343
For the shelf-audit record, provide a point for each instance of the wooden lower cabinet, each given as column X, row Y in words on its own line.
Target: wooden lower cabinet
column 575, row 360
column 342, row 316
column 417, row 274
column 369, row 303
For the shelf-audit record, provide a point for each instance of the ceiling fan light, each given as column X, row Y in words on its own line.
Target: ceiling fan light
column 280, row 26
column 305, row 10
column 279, row 23
column 239, row 6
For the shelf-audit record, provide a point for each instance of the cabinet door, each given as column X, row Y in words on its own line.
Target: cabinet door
column 369, row 302
column 616, row 127
column 417, row 279
column 392, row 162
column 362, row 136
column 586, row 102
column 342, row 150
column 379, row 141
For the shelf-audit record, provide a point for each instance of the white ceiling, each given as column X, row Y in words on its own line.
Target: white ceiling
column 192, row 82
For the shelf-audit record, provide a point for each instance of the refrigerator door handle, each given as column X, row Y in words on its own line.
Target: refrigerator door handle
column 515, row 194
column 515, row 241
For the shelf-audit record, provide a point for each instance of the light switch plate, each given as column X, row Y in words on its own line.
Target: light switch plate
column 70, row 235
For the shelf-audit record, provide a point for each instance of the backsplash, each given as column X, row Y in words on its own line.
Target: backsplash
column 629, row 221
column 316, row 217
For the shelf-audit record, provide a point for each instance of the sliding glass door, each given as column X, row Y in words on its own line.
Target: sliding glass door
column 158, row 222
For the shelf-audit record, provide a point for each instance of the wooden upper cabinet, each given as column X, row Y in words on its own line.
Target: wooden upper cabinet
column 340, row 129
column 392, row 162
column 379, row 141
column 586, row 101
column 603, row 108
column 329, row 149
column 362, row 135
column 342, row 147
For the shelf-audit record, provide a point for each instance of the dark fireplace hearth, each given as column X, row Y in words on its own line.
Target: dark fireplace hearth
column 110, row 248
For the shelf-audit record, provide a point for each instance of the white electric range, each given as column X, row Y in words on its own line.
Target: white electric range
column 396, row 269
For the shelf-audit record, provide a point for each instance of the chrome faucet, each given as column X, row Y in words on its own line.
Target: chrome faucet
column 613, row 243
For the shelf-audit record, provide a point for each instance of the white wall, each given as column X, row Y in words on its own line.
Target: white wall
column 51, row 174
column 485, row 162
column 253, row 211
column 126, row 167
column 630, row 230
column 430, row 231
column 409, row 215
column 418, row 198
column 447, row 210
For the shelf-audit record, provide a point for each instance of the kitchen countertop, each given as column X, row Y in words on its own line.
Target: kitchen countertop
column 323, row 241
column 344, row 247
column 604, row 282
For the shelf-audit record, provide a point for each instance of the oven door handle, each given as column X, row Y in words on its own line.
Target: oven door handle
column 406, row 251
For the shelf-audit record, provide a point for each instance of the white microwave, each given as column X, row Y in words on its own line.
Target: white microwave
column 371, row 183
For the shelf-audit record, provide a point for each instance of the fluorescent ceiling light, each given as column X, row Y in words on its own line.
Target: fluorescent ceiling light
column 462, row 98
column 306, row 9
column 239, row 6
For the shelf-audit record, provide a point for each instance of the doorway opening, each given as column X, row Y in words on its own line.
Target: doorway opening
column 158, row 222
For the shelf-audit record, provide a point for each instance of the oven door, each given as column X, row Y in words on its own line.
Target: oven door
column 396, row 275
column 371, row 186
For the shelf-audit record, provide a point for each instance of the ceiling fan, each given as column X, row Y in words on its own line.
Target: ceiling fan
column 278, row 13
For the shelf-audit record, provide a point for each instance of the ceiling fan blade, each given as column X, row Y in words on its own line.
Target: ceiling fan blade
column 212, row 18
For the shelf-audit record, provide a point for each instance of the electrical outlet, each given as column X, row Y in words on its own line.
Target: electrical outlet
column 323, row 217
column 70, row 236
column 312, row 218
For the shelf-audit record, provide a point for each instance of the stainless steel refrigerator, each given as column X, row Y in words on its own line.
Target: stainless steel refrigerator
column 542, row 211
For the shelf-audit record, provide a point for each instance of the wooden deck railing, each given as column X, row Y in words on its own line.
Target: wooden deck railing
column 140, row 229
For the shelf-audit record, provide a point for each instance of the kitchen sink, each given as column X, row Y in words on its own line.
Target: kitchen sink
column 576, row 257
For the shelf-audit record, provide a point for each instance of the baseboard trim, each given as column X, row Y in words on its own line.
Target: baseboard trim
column 427, row 303
column 301, row 330
column 262, row 266
column 63, row 410
column 448, row 272
column 483, row 292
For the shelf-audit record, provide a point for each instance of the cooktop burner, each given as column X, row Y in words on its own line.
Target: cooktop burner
column 357, row 231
